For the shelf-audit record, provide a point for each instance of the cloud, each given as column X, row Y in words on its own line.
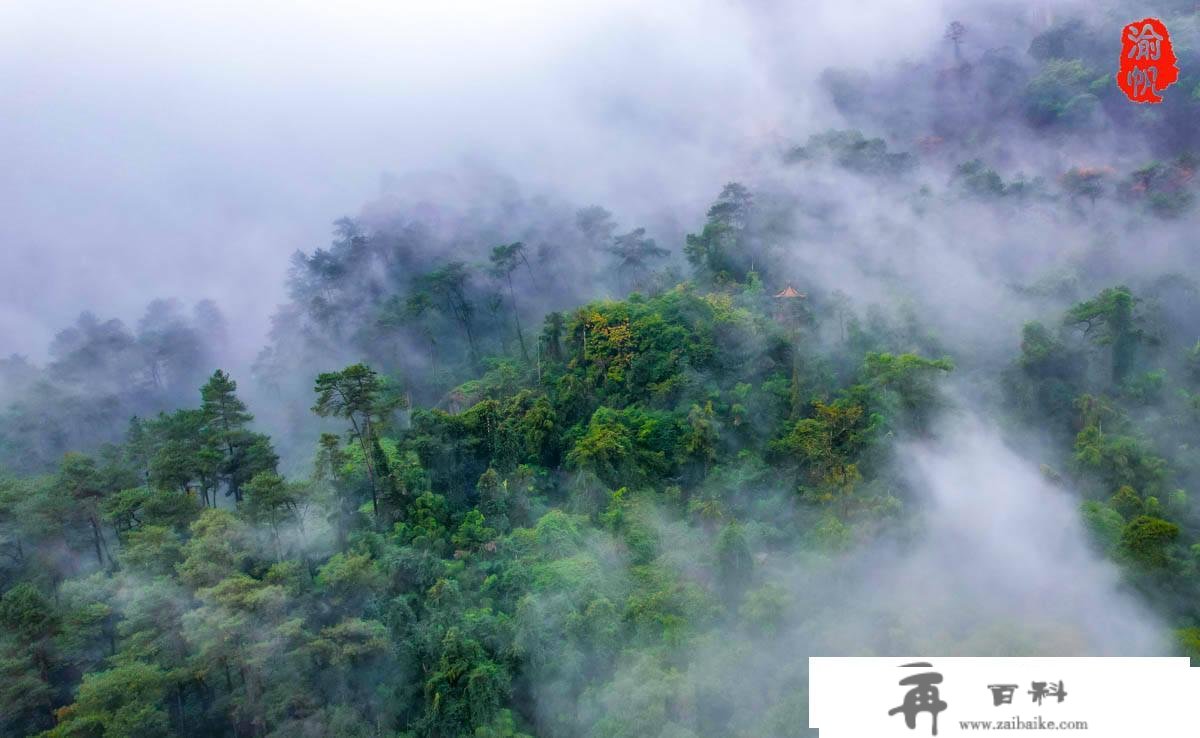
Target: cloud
column 1002, row 547
column 156, row 151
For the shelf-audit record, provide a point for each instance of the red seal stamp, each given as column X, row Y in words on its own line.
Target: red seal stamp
column 1147, row 61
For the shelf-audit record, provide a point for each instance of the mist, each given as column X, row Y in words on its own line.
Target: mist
column 467, row 369
column 155, row 152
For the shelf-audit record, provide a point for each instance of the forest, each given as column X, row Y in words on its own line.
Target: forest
column 512, row 466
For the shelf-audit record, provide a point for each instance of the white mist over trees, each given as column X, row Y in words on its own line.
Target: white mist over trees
column 742, row 334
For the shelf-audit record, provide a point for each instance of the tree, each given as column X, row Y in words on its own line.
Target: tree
column 851, row 150
column 95, row 353
column 1127, row 503
column 357, row 394
column 703, row 435
column 223, row 411
column 906, row 384
column 825, row 448
column 1192, row 363
column 79, row 478
column 243, row 453
column 1145, row 539
column 505, row 260
column 328, row 470
column 253, row 454
column 349, row 580
column 151, row 549
column 220, row 545
column 1060, row 94
column 552, row 334
column 735, row 565
column 843, row 310
column 979, row 180
column 596, row 224
column 473, row 532
column 28, row 616
column 1111, row 319
column 634, row 254
column 414, row 311
column 1043, row 355
column 465, row 687
column 271, row 499
column 1119, row 459
column 1084, row 182
column 605, row 448
column 178, row 455
column 171, row 348
column 449, row 283
column 954, row 33
column 494, row 499
column 722, row 252
column 30, row 628
column 25, row 697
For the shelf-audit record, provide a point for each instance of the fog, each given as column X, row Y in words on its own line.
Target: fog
column 998, row 542
column 157, row 151
column 967, row 434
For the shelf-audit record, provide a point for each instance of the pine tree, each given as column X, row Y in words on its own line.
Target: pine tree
column 242, row 452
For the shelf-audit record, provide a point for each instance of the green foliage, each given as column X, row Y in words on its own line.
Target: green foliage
column 220, row 545
column 25, row 695
column 1146, row 539
column 24, row 612
column 153, row 550
column 724, row 251
column 466, row 688
column 351, row 643
column 1127, row 503
column 580, row 530
column 629, row 446
column 1111, row 319
column 357, row 394
column 635, row 252
column 1118, row 460
column 539, row 526
column 904, row 385
column 472, row 533
column 735, row 565
column 121, row 702
column 1061, row 95
column 1162, row 188
column 1084, row 182
column 1193, row 363
column 855, row 152
column 1066, row 39
column 502, row 726
column 350, row 578
column 557, row 533
column 504, row 261
column 1104, row 524
column 978, row 180
column 1189, row 642
column 641, row 351
column 1043, row 356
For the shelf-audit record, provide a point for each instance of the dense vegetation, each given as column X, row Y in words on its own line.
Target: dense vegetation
column 497, row 502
